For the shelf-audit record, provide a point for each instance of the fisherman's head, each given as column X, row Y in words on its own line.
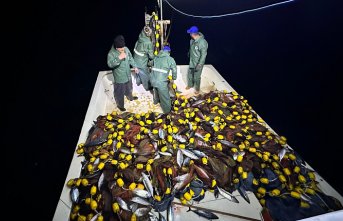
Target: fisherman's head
column 119, row 43
column 194, row 32
column 166, row 49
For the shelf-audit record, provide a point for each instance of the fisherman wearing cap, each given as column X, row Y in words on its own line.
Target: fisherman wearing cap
column 197, row 56
column 163, row 64
column 119, row 58
column 143, row 52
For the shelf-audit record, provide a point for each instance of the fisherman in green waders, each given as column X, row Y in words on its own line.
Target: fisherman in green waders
column 119, row 58
column 163, row 63
column 143, row 53
column 197, row 56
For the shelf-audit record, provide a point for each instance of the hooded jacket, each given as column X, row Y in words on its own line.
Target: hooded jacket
column 121, row 68
column 143, row 51
column 163, row 63
column 198, row 51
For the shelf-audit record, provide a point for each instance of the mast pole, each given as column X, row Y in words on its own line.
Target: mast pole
column 161, row 24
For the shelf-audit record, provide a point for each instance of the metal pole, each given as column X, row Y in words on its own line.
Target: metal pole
column 161, row 7
column 161, row 24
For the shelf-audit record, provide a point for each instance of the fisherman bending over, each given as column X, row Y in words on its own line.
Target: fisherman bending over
column 163, row 64
column 119, row 58
column 197, row 56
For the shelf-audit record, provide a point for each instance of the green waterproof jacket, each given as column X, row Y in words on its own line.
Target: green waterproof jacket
column 121, row 68
column 163, row 63
column 143, row 51
column 197, row 51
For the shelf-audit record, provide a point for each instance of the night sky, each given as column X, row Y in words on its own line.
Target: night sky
column 286, row 61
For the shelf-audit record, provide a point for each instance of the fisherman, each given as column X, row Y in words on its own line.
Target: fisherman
column 143, row 54
column 197, row 56
column 119, row 58
column 163, row 64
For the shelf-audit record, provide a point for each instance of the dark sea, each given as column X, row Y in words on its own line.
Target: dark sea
column 286, row 60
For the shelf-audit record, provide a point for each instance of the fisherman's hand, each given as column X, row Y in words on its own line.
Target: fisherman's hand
column 198, row 67
column 122, row 56
column 136, row 70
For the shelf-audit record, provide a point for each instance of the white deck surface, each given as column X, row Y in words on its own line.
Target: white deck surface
column 102, row 102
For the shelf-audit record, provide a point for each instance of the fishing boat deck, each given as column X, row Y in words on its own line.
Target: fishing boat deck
column 102, row 102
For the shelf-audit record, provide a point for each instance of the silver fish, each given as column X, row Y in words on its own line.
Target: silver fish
column 193, row 98
column 122, row 203
column 199, row 136
column 165, row 153
column 133, row 207
column 153, row 217
column 159, row 116
column 161, row 133
column 179, row 158
column 306, row 198
column 191, row 134
column 204, row 213
column 202, row 143
column 96, row 162
column 157, row 156
column 227, row 195
column 94, row 218
column 142, row 211
column 198, row 102
column 189, row 154
column 140, row 200
column 101, row 180
column 228, row 143
column 141, row 193
column 177, row 186
column 155, row 146
column 114, row 145
column 282, row 153
column 199, row 153
column 239, row 153
column 190, row 126
column 74, row 194
column 181, row 177
column 186, row 161
column 113, row 183
column 170, row 213
column 179, row 138
column 125, row 150
column 152, row 136
column 147, row 183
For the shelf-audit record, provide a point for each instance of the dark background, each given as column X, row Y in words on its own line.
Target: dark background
column 285, row 60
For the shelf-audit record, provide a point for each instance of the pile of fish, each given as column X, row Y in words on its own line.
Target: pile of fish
column 136, row 165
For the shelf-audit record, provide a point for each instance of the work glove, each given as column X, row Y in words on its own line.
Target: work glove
column 198, row 67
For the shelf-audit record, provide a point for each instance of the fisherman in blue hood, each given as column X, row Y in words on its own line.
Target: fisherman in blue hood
column 163, row 64
column 197, row 57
